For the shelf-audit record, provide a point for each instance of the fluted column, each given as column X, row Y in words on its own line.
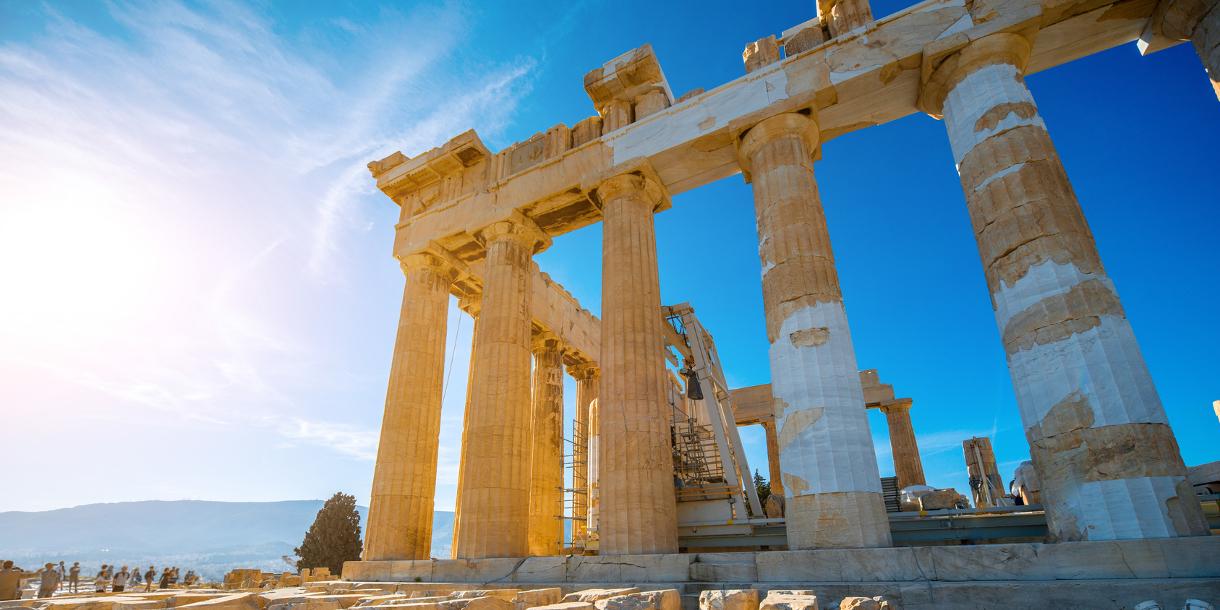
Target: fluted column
column 1197, row 21
column 587, row 378
column 986, row 484
column 828, row 465
column 470, row 305
column 495, row 483
column 546, row 456
column 907, row 465
column 1100, row 441
column 777, row 479
column 638, row 509
column 592, row 522
column 404, row 479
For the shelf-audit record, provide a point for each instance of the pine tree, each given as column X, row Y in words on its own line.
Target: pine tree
column 334, row 536
column 763, row 486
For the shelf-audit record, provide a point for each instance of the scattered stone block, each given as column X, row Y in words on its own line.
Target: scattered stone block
column 665, row 599
column 344, row 600
column 865, row 603
column 785, row 601
column 179, row 599
column 940, row 499
column 239, row 601
column 507, row 594
column 567, row 606
column 377, row 600
column 478, row 603
column 534, row 598
column 593, row 595
column 729, row 599
column 306, row 604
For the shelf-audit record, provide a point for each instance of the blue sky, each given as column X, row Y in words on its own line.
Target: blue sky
column 199, row 298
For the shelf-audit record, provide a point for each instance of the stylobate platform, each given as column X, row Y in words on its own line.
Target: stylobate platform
column 1108, row 574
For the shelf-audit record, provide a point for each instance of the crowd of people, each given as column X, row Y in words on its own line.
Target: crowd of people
column 54, row 578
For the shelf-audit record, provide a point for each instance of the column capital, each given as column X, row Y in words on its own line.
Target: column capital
column 439, row 260
column 944, row 68
column 788, row 124
column 642, row 181
column 545, row 341
column 897, row 405
column 584, row 370
column 1172, row 21
column 471, row 304
column 518, row 227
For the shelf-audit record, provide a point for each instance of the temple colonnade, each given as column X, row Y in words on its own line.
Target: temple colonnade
column 1108, row 462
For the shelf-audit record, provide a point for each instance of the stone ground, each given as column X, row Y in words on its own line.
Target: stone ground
column 342, row 595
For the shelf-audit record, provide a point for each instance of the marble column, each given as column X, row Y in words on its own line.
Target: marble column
column 591, row 524
column 404, row 479
column 828, row 465
column 546, row 455
column 1107, row 459
column 907, row 465
column 495, row 482
column 986, row 484
column 469, row 305
column 587, row 379
column 638, row 509
column 1197, row 21
column 777, row 480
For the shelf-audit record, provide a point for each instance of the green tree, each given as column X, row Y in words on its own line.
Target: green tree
column 334, row 536
column 763, row 486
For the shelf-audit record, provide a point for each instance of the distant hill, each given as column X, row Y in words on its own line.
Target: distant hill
column 211, row 537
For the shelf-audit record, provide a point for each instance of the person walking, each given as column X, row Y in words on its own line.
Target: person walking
column 99, row 581
column 150, row 577
column 49, row 581
column 63, row 574
column 119, row 582
column 10, row 581
column 74, row 577
column 164, row 582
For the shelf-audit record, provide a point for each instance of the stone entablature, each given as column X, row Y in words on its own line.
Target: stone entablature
column 864, row 78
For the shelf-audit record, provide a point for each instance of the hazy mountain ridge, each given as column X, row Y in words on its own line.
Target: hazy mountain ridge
column 211, row 537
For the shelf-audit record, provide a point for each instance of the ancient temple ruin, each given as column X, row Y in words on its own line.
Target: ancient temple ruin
column 471, row 220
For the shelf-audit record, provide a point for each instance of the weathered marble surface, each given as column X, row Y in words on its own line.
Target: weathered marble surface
column 1180, row 558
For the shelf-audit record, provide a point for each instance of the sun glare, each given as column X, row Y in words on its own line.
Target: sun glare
column 79, row 263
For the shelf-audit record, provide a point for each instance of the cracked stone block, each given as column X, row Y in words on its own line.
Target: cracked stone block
column 566, row 606
column 479, row 603
column 729, row 599
column 866, row 603
column 507, row 594
column 665, row 599
column 781, row 601
column 592, row 595
column 534, row 598
column 240, row 601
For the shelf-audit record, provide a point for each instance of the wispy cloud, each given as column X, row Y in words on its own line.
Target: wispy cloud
column 188, row 179
column 354, row 441
column 930, row 444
